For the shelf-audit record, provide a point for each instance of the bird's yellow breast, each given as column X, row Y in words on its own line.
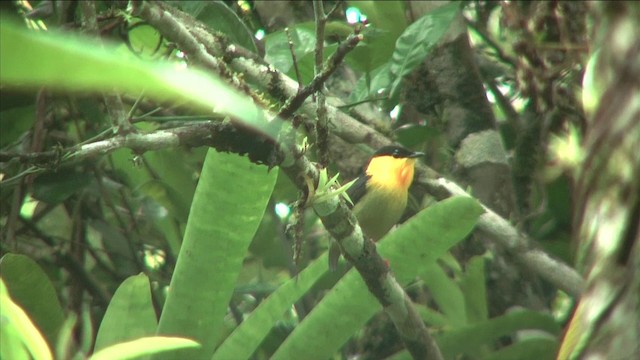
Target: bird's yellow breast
column 386, row 198
column 390, row 173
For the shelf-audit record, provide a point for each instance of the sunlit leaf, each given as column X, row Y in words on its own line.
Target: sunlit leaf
column 18, row 335
column 143, row 346
column 32, row 290
column 73, row 63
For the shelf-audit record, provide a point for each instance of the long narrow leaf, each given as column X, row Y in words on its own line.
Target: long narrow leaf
column 348, row 306
column 224, row 217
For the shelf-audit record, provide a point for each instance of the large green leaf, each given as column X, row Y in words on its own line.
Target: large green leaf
column 130, row 314
column 32, row 290
column 417, row 40
column 67, row 62
column 229, row 203
column 347, row 307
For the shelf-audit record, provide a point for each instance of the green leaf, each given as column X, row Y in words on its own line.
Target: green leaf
column 348, row 306
column 19, row 337
column 218, row 16
column 130, row 314
column 303, row 37
column 306, row 63
column 65, row 62
column 417, row 40
column 386, row 21
column 475, row 291
column 143, row 346
column 223, row 220
column 145, row 41
column 370, row 84
column 446, row 294
column 278, row 52
column 469, row 339
column 32, row 290
column 387, row 15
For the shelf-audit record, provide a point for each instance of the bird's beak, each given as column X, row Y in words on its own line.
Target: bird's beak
column 416, row 154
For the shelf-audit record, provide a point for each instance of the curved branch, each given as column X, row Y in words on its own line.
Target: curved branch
column 519, row 245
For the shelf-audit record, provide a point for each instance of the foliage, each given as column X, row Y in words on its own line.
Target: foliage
column 123, row 240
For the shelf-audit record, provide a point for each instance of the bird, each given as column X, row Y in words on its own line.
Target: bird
column 379, row 194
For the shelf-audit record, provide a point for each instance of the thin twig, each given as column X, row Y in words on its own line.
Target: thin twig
column 194, row 135
column 322, row 123
column 492, row 43
column 296, row 101
column 293, row 57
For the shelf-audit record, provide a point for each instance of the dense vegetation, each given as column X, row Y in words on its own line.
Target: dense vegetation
column 168, row 179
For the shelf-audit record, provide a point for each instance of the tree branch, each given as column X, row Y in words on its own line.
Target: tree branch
column 519, row 245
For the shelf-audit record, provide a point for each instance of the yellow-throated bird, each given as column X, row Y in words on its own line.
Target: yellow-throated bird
column 380, row 193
